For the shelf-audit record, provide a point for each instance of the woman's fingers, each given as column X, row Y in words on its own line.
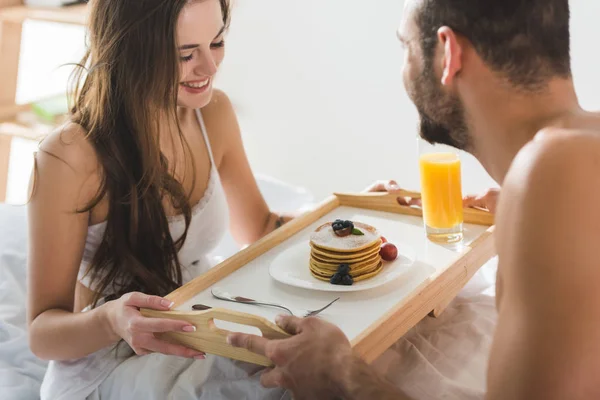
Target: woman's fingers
column 141, row 300
column 389, row 186
column 160, row 346
column 143, row 324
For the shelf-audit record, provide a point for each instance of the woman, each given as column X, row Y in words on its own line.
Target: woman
column 131, row 195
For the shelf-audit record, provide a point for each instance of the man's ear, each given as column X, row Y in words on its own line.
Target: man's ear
column 452, row 55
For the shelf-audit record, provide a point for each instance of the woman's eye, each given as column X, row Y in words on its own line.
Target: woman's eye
column 187, row 58
column 217, row 45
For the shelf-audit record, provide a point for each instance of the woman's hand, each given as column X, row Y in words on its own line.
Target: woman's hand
column 392, row 187
column 128, row 324
column 486, row 201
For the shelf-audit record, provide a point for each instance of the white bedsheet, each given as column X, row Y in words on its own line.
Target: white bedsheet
column 20, row 371
column 441, row 358
column 446, row 357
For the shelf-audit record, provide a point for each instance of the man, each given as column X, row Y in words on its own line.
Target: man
column 493, row 78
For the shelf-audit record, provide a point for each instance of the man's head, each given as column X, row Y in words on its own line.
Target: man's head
column 524, row 44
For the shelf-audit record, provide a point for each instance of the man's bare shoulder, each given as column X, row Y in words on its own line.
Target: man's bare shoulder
column 556, row 158
column 553, row 182
column 547, row 239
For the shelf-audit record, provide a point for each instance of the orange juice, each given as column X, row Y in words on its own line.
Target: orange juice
column 441, row 191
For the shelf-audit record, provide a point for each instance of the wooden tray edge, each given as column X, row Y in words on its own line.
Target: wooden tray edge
column 372, row 342
column 389, row 203
column 250, row 253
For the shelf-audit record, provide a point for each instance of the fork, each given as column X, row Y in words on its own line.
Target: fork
column 221, row 295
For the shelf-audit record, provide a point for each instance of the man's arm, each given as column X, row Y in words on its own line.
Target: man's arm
column 548, row 236
column 317, row 363
column 358, row 381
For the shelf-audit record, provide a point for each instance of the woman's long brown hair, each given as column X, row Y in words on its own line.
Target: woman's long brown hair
column 125, row 89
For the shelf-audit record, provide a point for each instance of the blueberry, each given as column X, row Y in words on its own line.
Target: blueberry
column 347, row 280
column 337, row 225
column 347, row 224
column 336, row 279
column 343, row 269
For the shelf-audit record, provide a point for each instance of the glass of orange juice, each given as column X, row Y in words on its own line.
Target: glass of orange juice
column 441, row 192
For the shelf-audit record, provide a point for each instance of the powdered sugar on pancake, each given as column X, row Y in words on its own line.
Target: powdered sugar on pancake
column 325, row 237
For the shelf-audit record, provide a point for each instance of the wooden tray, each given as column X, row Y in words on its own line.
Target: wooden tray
column 373, row 319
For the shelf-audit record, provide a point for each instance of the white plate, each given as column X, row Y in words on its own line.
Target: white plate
column 291, row 267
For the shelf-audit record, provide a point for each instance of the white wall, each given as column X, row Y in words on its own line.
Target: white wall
column 316, row 82
column 322, row 79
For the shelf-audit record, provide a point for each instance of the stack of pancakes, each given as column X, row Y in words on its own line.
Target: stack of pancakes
column 359, row 252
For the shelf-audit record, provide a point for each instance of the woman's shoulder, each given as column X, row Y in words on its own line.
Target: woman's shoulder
column 69, row 144
column 68, row 159
column 220, row 104
column 221, row 123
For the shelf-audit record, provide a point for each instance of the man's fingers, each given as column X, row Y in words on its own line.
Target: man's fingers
column 255, row 344
column 289, row 323
column 487, row 201
column 272, row 378
column 475, row 202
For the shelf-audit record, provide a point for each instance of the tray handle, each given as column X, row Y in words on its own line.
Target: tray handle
column 268, row 329
column 388, row 202
column 213, row 340
column 204, row 321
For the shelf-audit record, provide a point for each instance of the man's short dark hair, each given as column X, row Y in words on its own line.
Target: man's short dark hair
column 527, row 41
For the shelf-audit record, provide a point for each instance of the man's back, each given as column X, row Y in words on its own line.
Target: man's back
column 548, row 235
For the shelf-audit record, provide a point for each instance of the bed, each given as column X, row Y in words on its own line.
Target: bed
column 439, row 357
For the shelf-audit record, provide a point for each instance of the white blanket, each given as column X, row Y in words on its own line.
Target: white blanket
column 446, row 358
column 441, row 358
column 20, row 371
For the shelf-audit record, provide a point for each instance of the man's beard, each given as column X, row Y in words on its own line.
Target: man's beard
column 442, row 115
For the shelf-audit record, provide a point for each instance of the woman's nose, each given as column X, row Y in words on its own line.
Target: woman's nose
column 207, row 65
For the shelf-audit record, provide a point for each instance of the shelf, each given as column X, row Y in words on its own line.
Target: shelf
column 10, row 112
column 25, row 124
column 34, row 132
column 76, row 15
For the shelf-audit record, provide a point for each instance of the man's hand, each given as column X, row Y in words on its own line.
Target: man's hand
column 316, row 363
column 487, row 200
column 311, row 364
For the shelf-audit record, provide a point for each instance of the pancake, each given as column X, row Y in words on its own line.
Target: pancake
column 356, row 279
column 359, row 252
column 326, row 265
column 320, row 259
column 324, row 238
column 354, row 256
column 365, row 269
